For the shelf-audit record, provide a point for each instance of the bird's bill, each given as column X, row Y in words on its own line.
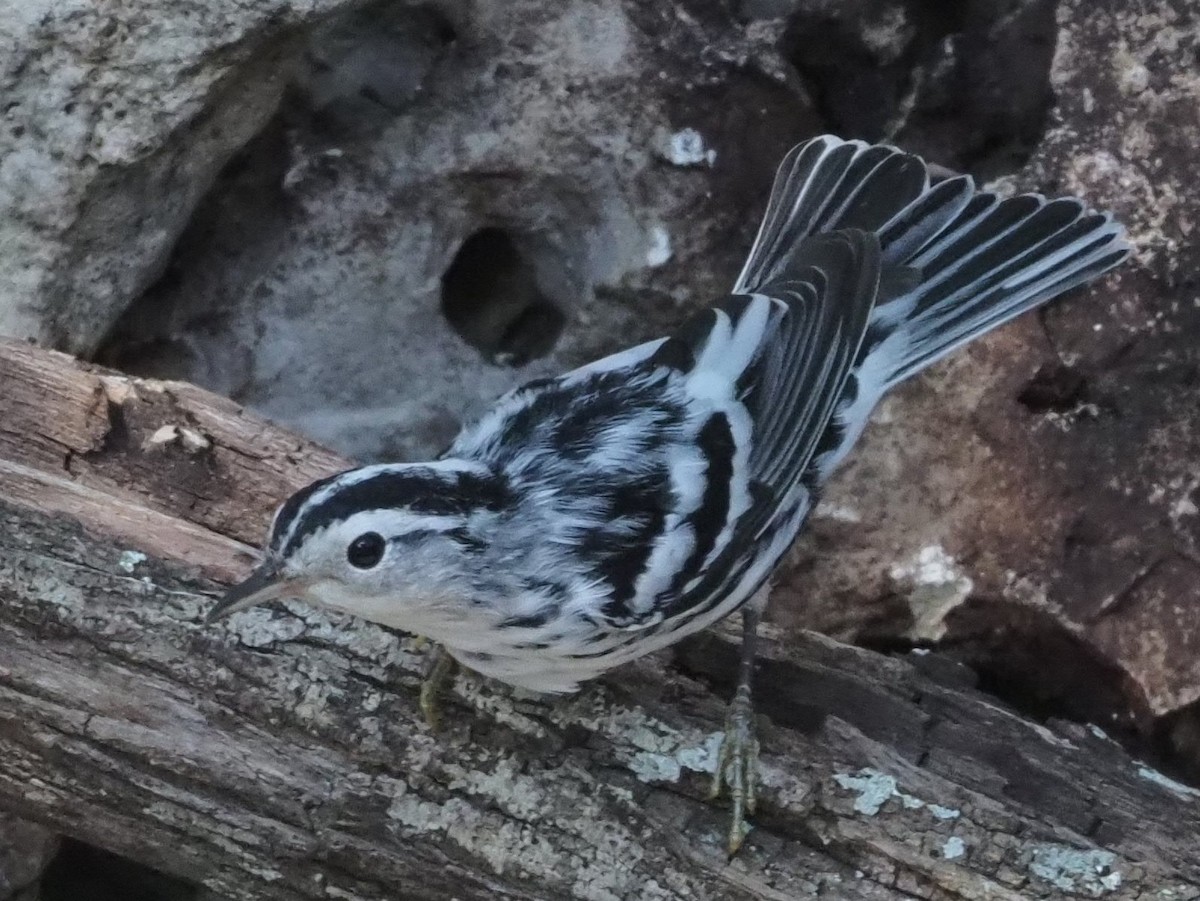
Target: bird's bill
column 264, row 584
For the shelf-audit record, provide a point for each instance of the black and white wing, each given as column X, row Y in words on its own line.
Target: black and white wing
column 652, row 467
column 665, row 482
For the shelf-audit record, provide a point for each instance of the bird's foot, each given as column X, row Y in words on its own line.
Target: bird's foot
column 737, row 767
column 438, row 678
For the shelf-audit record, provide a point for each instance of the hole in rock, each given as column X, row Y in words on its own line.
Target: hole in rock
column 492, row 299
column 80, row 870
column 1179, row 734
column 1033, row 662
column 1054, row 389
column 306, row 282
column 965, row 83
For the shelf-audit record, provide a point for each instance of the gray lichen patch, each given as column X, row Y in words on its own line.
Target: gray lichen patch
column 936, row 586
column 503, row 817
column 130, row 560
column 874, row 789
column 953, row 848
column 497, row 705
column 259, row 627
column 1089, row 872
column 657, row 752
column 685, row 147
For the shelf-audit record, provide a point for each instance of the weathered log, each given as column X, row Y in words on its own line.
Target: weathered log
column 281, row 755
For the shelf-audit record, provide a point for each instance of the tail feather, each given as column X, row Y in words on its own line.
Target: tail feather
column 1020, row 253
column 918, row 223
column 826, row 185
column 965, row 261
column 873, row 201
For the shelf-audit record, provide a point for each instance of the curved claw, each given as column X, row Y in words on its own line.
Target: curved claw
column 737, row 768
column 441, row 674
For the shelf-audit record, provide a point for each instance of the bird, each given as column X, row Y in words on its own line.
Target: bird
column 592, row 518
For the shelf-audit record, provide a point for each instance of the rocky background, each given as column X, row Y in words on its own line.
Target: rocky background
column 367, row 220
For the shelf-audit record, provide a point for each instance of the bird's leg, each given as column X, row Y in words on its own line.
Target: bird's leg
column 737, row 761
column 437, row 678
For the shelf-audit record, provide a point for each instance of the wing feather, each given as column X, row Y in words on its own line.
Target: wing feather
column 665, row 481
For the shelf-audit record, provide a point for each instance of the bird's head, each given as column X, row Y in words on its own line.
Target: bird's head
column 400, row 544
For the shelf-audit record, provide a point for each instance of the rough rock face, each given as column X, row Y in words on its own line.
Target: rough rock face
column 114, row 119
column 1033, row 501
column 368, row 220
column 468, row 190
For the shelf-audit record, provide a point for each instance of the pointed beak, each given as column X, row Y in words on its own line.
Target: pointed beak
column 264, row 584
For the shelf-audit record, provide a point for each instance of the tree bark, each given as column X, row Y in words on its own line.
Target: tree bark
column 281, row 754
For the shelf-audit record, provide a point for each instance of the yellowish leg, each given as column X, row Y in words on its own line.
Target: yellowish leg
column 438, row 678
column 737, row 761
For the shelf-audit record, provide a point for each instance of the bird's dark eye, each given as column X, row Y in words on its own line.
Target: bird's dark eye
column 366, row 550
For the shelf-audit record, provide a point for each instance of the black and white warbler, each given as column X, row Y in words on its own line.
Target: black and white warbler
column 593, row 518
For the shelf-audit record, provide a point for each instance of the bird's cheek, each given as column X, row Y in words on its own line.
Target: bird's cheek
column 338, row 595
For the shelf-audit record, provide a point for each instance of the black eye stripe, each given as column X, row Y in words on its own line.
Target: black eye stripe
column 415, row 535
column 459, row 534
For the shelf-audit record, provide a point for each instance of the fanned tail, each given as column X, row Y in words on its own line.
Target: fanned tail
column 956, row 262
column 994, row 261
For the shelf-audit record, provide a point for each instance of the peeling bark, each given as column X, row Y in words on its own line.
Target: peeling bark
column 281, row 755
